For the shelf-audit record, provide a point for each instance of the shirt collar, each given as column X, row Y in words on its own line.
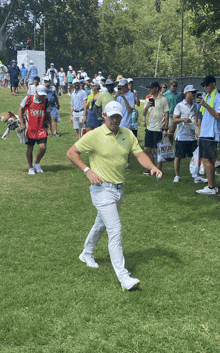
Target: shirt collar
column 108, row 132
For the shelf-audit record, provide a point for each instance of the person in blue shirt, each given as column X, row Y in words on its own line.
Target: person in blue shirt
column 13, row 76
column 32, row 72
column 173, row 98
column 24, row 72
column 210, row 132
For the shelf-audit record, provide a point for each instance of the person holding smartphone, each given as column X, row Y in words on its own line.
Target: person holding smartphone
column 210, row 132
column 157, row 111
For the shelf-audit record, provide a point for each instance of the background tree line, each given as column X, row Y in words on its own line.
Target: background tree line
column 118, row 36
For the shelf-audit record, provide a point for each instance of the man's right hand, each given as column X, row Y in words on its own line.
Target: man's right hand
column 93, row 177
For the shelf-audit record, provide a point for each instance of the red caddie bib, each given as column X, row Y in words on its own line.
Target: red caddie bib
column 36, row 115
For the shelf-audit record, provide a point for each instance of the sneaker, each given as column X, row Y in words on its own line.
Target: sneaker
column 31, row 171
column 56, row 134
column 130, row 283
column 89, row 260
column 208, row 191
column 128, row 166
column 147, row 173
column 176, row 179
column 37, row 167
column 200, row 180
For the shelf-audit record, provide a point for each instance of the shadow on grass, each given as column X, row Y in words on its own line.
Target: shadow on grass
column 55, row 168
column 143, row 257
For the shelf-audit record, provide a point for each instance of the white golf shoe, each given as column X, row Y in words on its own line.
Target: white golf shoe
column 89, row 260
column 208, row 191
column 129, row 283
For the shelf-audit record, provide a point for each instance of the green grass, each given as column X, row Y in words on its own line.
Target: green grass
column 53, row 303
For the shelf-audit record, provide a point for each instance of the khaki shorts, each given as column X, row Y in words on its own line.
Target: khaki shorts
column 77, row 118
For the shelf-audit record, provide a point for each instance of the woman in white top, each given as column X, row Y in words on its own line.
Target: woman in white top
column 62, row 80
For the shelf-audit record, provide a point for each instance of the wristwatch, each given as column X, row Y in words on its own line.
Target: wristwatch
column 86, row 170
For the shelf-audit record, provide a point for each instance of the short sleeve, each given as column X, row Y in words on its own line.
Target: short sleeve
column 22, row 104
column 135, row 147
column 99, row 102
column 86, row 143
column 177, row 110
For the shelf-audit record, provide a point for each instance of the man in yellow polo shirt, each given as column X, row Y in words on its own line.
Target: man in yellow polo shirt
column 109, row 146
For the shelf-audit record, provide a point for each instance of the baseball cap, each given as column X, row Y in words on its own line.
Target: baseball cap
column 207, row 80
column 123, row 82
column 87, row 78
column 46, row 78
column 119, row 78
column 103, row 78
column 112, row 108
column 52, row 64
column 109, row 82
column 99, row 72
column 75, row 81
column 70, row 67
column 81, row 68
column 154, row 85
column 41, row 90
column 130, row 80
column 189, row 88
column 31, row 62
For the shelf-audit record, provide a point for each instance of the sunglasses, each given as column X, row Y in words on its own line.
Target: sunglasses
column 193, row 92
column 115, row 116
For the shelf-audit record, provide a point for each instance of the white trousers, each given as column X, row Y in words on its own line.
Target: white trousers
column 107, row 199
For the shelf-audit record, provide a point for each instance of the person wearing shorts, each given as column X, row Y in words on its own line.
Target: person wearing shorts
column 78, row 106
column 210, row 132
column 185, row 118
column 157, row 112
column 36, row 133
column 70, row 77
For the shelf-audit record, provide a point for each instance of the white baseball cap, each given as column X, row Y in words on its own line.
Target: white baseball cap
column 112, row 108
column 52, row 64
column 41, row 90
column 189, row 88
column 70, row 67
column 123, row 82
column 31, row 62
column 87, row 78
column 75, row 81
column 46, row 78
column 130, row 80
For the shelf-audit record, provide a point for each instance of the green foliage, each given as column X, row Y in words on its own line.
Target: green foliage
column 118, row 37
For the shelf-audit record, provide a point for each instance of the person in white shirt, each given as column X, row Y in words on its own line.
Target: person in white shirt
column 186, row 142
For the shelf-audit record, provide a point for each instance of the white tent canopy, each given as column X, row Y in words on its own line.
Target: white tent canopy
column 38, row 57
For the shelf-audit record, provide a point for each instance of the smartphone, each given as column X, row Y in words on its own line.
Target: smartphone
column 153, row 101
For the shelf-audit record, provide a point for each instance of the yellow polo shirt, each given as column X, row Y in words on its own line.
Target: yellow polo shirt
column 108, row 153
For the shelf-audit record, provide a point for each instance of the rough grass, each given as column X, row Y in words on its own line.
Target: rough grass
column 53, row 303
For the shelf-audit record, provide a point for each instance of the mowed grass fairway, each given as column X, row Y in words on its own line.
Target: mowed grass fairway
column 53, row 303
